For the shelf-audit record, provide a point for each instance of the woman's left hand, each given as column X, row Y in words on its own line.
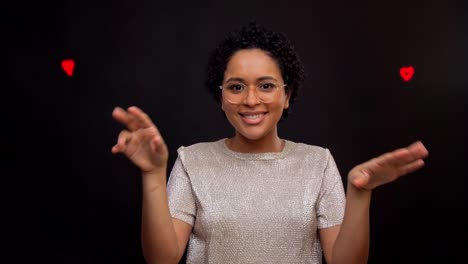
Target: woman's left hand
column 388, row 167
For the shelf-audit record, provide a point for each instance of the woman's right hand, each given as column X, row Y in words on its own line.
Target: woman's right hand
column 141, row 141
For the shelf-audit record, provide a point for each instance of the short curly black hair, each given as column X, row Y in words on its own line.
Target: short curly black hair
column 252, row 36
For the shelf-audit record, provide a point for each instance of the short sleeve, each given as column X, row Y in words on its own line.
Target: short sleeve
column 180, row 194
column 331, row 201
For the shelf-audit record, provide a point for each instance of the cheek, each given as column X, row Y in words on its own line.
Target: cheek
column 282, row 105
column 227, row 108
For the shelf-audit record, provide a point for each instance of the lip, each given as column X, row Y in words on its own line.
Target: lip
column 255, row 121
column 252, row 112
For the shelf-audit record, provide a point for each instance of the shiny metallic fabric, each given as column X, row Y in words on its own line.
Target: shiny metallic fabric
column 255, row 208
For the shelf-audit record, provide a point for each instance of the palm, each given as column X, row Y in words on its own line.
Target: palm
column 141, row 150
column 388, row 167
column 142, row 142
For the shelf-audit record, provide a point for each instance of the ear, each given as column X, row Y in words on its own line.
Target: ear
column 222, row 105
column 288, row 96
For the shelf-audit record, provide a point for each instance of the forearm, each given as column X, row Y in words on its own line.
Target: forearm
column 158, row 237
column 352, row 243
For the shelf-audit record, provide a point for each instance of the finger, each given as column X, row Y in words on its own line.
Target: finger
column 144, row 120
column 141, row 117
column 411, row 167
column 124, row 137
column 395, row 158
column 418, row 149
column 403, row 156
column 125, row 118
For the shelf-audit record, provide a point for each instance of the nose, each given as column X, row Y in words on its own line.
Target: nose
column 251, row 96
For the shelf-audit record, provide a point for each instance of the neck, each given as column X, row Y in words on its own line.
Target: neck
column 268, row 143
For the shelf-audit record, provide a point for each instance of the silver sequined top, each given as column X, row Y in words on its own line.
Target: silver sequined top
column 255, row 207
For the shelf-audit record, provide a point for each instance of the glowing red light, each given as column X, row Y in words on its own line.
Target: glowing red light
column 407, row 73
column 68, row 66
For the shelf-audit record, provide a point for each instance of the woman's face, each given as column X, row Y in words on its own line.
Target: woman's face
column 253, row 118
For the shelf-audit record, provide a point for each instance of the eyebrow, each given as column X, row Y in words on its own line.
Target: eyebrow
column 264, row 78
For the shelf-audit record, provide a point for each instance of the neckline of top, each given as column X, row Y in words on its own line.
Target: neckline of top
column 288, row 145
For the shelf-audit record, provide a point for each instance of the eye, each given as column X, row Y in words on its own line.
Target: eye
column 267, row 86
column 235, row 87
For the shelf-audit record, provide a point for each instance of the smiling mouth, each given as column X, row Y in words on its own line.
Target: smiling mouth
column 253, row 116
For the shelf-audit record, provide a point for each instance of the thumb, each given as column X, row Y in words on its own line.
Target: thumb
column 360, row 178
column 157, row 144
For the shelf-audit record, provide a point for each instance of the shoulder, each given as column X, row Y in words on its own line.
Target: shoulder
column 309, row 150
column 311, row 155
column 201, row 150
column 200, row 146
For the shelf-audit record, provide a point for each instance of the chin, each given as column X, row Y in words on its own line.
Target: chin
column 251, row 136
column 252, row 133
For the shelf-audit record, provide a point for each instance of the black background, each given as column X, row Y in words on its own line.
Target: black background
column 75, row 202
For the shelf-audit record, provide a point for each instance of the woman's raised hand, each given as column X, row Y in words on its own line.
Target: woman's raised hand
column 141, row 141
column 388, row 167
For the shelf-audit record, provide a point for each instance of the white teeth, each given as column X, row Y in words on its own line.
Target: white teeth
column 253, row 116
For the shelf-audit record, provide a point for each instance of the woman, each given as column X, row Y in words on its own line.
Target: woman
column 254, row 197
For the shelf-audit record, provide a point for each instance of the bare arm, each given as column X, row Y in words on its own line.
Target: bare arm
column 349, row 243
column 163, row 238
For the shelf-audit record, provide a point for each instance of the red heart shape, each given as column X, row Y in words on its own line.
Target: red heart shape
column 68, row 66
column 407, row 73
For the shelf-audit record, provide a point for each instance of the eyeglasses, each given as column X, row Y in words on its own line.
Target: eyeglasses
column 235, row 93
